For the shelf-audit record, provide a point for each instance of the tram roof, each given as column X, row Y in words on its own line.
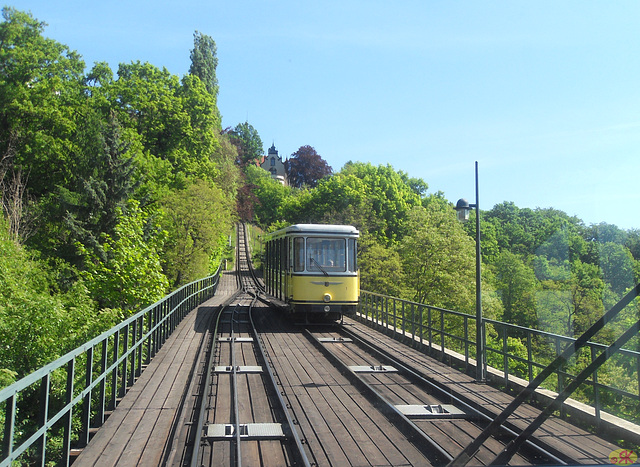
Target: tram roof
column 322, row 229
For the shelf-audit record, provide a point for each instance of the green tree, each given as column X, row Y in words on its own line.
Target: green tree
column 38, row 323
column 105, row 184
column 247, row 142
column 570, row 299
column 197, row 221
column 516, row 285
column 608, row 233
column 523, row 231
column 146, row 99
column 380, row 268
column 439, row 259
column 204, row 61
column 270, row 196
column 633, row 243
column 130, row 277
column 616, row 262
column 41, row 99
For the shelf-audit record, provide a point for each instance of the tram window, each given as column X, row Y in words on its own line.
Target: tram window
column 353, row 265
column 326, row 254
column 283, row 254
column 298, row 254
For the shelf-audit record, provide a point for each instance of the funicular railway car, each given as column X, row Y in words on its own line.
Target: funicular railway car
column 312, row 270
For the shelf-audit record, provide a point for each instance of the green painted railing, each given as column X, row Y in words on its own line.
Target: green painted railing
column 515, row 351
column 52, row 412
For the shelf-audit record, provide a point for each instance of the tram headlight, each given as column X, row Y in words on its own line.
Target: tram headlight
column 327, row 309
column 327, row 298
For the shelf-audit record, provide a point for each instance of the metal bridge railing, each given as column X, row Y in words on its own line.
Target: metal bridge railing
column 72, row 396
column 512, row 351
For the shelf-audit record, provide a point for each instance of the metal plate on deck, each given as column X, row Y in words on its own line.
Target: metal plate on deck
column 239, row 369
column 334, row 339
column 431, row 411
column 247, row 431
column 373, row 369
column 236, row 339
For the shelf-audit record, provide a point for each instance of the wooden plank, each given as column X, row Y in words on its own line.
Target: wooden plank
column 112, row 453
column 323, row 446
column 135, row 448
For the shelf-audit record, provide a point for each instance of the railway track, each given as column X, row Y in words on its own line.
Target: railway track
column 241, row 417
column 276, row 393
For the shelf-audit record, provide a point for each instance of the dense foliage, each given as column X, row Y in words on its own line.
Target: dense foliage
column 114, row 188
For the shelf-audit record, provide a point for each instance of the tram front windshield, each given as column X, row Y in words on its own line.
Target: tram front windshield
column 326, row 254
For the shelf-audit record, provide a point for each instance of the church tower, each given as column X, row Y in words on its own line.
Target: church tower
column 274, row 165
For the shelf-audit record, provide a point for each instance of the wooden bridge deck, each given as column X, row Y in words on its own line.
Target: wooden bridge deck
column 154, row 409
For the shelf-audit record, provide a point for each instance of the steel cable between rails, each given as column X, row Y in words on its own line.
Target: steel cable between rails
column 207, row 382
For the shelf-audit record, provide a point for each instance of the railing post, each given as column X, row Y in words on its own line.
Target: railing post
column 134, row 351
column 103, row 382
column 421, row 326
column 377, row 311
column 430, row 328
column 561, row 371
column 404, row 323
column 9, row 426
column 395, row 316
column 114, row 373
column 466, row 343
column 86, row 405
column 68, row 418
column 125, row 349
column 140, row 345
column 156, row 330
column 43, row 414
column 133, row 332
column 596, row 389
column 529, row 356
column 505, row 352
column 413, row 325
column 442, row 342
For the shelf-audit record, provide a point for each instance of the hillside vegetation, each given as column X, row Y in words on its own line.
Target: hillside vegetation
column 118, row 187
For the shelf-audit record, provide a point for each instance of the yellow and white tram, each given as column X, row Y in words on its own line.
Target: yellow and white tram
column 313, row 269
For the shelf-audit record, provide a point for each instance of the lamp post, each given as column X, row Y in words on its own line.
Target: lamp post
column 463, row 207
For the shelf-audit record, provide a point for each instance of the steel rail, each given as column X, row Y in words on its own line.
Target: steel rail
column 200, row 427
column 417, row 377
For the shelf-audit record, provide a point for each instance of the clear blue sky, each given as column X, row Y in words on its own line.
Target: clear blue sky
column 544, row 95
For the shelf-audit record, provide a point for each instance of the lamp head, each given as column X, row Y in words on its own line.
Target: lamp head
column 462, row 206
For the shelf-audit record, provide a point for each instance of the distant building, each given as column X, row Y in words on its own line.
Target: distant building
column 273, row 164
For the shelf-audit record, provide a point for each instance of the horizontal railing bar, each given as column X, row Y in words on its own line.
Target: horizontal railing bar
column 50, row 367
column 203, row 289
column 386, row 310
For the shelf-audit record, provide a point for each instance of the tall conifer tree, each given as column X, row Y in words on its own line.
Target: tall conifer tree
column 204, row 61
